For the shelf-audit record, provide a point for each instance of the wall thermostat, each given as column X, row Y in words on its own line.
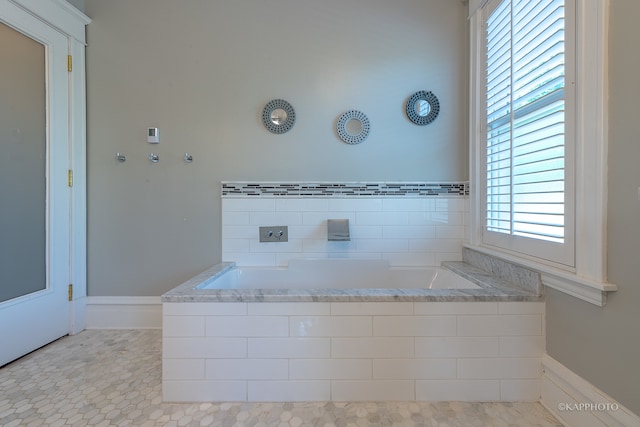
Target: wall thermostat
column 153, row 135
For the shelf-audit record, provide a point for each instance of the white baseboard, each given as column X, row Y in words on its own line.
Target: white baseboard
column 123, row 313
column 577, row 403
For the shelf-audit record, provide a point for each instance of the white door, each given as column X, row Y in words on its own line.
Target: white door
column 34, row 191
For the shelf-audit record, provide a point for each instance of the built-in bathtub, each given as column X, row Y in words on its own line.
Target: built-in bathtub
column 323, row 275
column 386, row 333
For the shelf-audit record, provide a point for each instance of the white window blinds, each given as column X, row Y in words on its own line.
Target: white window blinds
column 525, row 119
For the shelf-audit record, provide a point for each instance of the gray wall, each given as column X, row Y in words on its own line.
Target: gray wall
column 202, row 71
column 603, row 344
column 78, row 4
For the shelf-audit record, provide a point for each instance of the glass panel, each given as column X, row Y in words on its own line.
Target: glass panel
column 525, row 119
column 22, row 165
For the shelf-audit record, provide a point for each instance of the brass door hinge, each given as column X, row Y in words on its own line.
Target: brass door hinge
column 70, row 178
column 69, row 63
column 70, row 291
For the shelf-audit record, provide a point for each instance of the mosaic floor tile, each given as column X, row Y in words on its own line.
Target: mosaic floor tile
column 113, row 378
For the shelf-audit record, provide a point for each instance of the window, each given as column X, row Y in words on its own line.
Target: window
column 527, row 141
column 564, row 238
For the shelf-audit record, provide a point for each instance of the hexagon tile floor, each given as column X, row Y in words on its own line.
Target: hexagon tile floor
column 112, row 378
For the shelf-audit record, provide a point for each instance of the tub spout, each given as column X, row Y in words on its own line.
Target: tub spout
column 338, row 230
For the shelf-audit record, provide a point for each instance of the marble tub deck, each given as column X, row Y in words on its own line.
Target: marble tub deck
column 491, row 289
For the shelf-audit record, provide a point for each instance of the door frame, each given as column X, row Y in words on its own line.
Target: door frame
column 69, row 21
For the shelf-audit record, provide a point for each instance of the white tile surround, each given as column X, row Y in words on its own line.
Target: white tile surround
column 406, row 231
column 426, row 351
column 350, row 351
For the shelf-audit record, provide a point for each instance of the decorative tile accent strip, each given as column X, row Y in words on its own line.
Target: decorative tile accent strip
column 344, row 189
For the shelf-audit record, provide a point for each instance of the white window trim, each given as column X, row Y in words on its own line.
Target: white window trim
column 588, row 281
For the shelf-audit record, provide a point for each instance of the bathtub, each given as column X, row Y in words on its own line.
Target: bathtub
column 337, row 274
column 348, row 330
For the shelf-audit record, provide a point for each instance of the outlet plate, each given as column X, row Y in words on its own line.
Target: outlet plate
column 276, row 233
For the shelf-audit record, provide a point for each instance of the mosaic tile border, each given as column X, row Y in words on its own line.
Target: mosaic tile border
column 344, row 189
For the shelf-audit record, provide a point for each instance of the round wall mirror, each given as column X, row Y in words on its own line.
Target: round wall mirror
column 422, row 107
column 353, row 127
column 278, row 116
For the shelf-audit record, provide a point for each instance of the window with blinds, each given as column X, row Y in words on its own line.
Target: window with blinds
column 525, row 120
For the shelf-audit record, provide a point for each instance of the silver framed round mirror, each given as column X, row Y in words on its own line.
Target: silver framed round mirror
column 278, row 116
column 422, row 107
column 353, row 127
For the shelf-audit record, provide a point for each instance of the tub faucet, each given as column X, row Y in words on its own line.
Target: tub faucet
column 338, row 230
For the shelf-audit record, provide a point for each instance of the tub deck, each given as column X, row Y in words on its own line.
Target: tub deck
column 490, row 289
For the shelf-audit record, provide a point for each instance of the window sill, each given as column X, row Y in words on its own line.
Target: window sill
column 592, row 291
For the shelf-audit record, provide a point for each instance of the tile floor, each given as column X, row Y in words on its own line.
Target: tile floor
column 112, row 378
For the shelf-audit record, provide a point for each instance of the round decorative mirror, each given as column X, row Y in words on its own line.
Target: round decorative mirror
column 278, row 116
column 423, row 107
column 353, row 127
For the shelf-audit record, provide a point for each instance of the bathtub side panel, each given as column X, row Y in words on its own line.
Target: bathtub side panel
column 354, row 351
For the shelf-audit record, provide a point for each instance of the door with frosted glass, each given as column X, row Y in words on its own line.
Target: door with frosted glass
column 34, row 197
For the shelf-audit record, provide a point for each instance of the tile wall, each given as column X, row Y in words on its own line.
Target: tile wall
column 429, row 351
column 408, row 224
